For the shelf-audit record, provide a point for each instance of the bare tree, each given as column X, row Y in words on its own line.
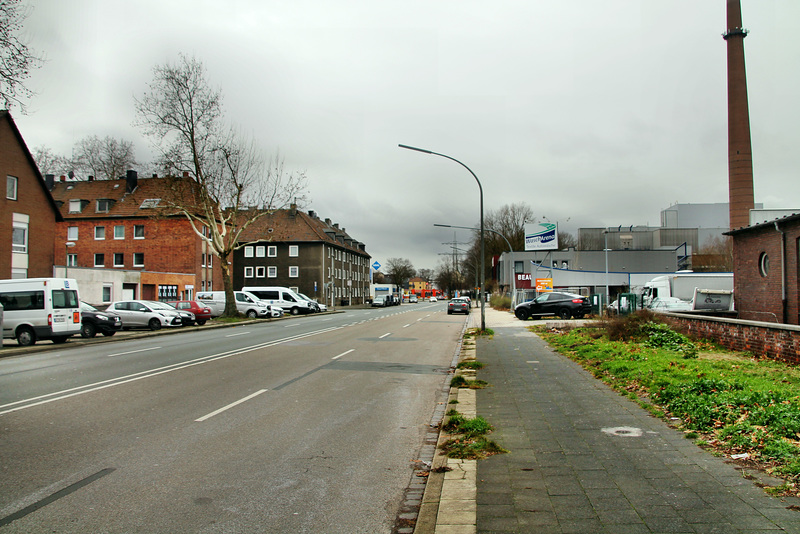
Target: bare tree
column 50, row 163
column 715, row 255
column 399, row 271
column 105, row 159
column 427, row 275
column 233, row 184
column 16, row 59
column 567, row 241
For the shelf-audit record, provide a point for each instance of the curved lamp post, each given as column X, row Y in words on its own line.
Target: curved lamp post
column 510, row 250
column 483, row 245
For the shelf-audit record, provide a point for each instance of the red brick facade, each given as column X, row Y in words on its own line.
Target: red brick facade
column 31, row 205
column 766, row 272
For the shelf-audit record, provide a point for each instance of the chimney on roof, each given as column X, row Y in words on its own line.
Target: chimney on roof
column 63, row 178
column 131, row 180
column 336, row 225
column 91, row 178
column 49, row 181
column 328, row 222
column 185, row 174
column 312, row 214
column 292, row 210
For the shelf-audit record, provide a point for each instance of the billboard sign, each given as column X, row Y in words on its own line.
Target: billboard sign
column 541, row 236
column 544, row 285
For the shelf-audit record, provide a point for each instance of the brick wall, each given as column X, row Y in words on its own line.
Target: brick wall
column 767, row 340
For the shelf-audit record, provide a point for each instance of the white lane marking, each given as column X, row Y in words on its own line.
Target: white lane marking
column 291, row 325
column 237, row 334
column 132, row 351
column 406, row 326
column 97, row 386
column 229, row 406
column 385, row 335
column 343, row 354
column 532, row 361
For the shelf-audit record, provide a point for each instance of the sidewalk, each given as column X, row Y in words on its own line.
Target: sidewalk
column 584, row 459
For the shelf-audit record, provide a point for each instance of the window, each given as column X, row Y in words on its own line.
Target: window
column 75, row 206
column 119, row 259
column 72, row 233
column 260, row 272
column 248, row 252
column 72, row 260
column 19, row 234
column 272, row 272
column 99, row 232
column 11, row 187
column 519, row 267
column 260, row 251
column 119, row 232
column 293, row 251
column 103, row 205
column 107, row 293
column 272, row 252
column 138, row 259
column 99, row 260
column 138, row 231
column 248, row 272
column 210, row 258
column 763, row 265
column 294, row 271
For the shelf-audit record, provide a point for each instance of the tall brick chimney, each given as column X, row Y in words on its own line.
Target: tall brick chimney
column 740, row 155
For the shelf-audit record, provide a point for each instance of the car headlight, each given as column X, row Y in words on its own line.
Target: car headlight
column 102, row 317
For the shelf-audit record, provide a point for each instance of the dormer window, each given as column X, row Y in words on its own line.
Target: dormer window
column 104, row 204
column 75, row 206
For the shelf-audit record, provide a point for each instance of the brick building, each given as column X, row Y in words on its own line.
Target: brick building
column 767, row 270
column 28, row 214
column 120, row 242
column 290, row 248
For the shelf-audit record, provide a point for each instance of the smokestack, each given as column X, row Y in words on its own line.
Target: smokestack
column 740, row 156
column 50, row 181
column 132, row 180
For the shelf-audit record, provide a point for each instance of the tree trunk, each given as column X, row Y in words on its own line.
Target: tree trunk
column 227, row 282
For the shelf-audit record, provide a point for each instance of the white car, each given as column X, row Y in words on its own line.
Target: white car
column 275, row 311
column 145, row 314
column 433, row 299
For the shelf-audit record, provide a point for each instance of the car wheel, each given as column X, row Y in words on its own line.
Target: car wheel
column 252, row 314
column 109, row 333
column 88, row 330
column 564, row 313
column 295, row 310
column 201, row 322
column 26, row 337
column 522, row 315
column 154, row 324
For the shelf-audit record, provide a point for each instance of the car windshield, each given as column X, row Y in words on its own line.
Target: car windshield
column 161, row 305
column 87, row 307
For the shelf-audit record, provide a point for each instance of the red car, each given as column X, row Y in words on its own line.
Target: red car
column 201, row 312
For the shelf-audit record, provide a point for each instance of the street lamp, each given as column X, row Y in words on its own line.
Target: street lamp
column 606, row 249
column 511, row 250
column 67, row 246
column 483, row 244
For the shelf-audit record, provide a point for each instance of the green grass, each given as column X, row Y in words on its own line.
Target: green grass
column 469, row 439
column 730, row 402
column 459, row 381
column 470, row 364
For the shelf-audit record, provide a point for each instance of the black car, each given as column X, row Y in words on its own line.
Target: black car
column 94, row 321
column 563, row 305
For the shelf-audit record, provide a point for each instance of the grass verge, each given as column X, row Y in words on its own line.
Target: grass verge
column 731, row 403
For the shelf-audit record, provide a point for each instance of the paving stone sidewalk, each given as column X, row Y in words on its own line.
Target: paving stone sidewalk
column 584, row 459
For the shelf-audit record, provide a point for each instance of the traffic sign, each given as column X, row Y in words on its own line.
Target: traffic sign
column 376, row 265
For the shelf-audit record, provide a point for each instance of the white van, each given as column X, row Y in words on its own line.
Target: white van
column 40, row 308
column 283, row 297
column 246, row 303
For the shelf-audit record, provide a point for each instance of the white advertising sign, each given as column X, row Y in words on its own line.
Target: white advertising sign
column 541, row 236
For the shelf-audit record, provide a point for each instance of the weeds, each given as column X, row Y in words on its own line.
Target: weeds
column 469, row 439
column 470, row 364
column 459, row 381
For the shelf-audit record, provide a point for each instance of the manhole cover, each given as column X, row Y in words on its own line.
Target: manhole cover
column 624, row 431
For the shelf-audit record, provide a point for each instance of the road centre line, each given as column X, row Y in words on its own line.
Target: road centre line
column 385, row 335
column 406, row 326
column 237, row 334
column 343, row 354
column 229, row 406
column 133, row 351
column 97, row 386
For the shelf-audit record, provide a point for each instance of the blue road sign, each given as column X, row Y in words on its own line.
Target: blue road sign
column 376, row 265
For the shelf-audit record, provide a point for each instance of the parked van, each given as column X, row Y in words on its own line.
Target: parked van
column 40, row 308
column 283, row 297
column 246, row 303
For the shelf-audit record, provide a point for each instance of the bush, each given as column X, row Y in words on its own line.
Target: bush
column 661, row 336
column 500, row 302
column 627, row 327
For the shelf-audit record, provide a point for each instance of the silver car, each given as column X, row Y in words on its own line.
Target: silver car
column 144, row 314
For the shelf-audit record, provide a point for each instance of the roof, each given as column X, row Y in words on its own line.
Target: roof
column 766, row 224
column 294, row 226
column 5, row 115
column 143, row 201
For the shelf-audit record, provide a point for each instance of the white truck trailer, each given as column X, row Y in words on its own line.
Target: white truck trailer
column 683, row 285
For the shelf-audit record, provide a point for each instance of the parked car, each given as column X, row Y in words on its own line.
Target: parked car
column 432, row 299
column 314, row 304
column 246, row 303
column 563, row 305
column 94, row 321
column 379, row 302
column 458, row 305
column 669, row 304
column 413, row 299
column 202, row 313
column 187, row 317
column 142, row 314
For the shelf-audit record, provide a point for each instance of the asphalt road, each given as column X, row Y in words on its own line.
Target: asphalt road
column 305, row 425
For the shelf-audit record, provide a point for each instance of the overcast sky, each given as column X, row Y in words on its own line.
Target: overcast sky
column 594, row 113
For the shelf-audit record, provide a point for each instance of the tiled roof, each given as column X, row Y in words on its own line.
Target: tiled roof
column 123, row 204
column 282, row 227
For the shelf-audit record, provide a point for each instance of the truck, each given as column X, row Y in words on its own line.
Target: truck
column 40, row 308
column 692, row 288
